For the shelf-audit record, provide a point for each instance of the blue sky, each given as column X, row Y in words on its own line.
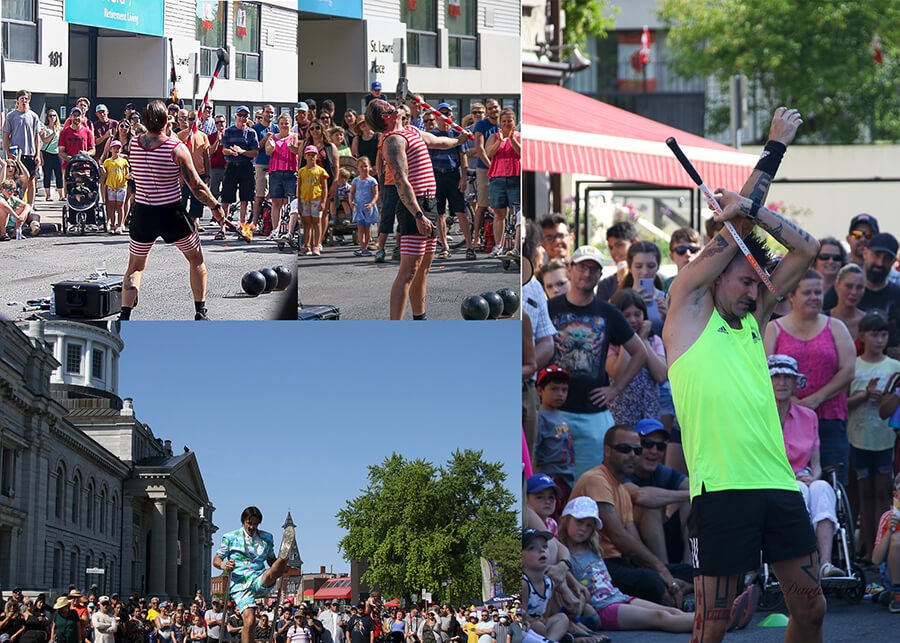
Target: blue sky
column 288, row 415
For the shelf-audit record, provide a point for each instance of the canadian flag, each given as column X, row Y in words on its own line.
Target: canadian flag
column 241, row 23
column 208, row 15
column 645, row 46
column 876, row 49
column 412, row 5
column 453, row 9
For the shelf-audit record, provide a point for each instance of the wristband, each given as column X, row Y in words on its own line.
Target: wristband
column 770, row 159
column 568, row 563
column 754, row 208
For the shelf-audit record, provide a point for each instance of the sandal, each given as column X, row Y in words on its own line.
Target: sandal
column 220, row 236
column 444, row 254
column 470, row 253
column 305, row 250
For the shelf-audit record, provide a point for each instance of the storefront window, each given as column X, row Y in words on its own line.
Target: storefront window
column 462, row 41
column 211, row 34
column 420, row 17
column 20, row 35
column 246, row 40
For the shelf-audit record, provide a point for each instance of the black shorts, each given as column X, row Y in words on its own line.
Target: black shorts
column 28, row 162
column 406, row 220
column 149, row 222
column 728, row 529
column 448, row 191
column 239, row 177
column 389, row 201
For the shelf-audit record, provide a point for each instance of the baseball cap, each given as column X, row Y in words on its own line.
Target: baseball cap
column 242, row 108
column 588, row 253
column 583, row 507
column 883, row 242
column 864, row 218
column 130, row 106
column 303, row 107
column 101, row 108
column 75, row 109
column 445, row 106
column 116, row 144
column 540, row 481
column 649, row 425
column 530, row 534
column 375, row 85
column 310, row 149
column 103, row 599
column 552, row 372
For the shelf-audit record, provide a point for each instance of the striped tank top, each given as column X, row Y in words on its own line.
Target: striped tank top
column 155, row 173
column 418, row 161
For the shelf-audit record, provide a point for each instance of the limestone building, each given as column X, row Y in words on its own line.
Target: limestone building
column 88, row 494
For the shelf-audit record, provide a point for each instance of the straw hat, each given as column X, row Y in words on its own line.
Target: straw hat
column 61, row 602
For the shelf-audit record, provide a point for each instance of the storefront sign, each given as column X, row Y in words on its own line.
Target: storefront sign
column 137, row 16
column 383, row 42
column 340, row 8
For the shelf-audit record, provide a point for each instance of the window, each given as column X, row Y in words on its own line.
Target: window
column 73, row 359
column 88, row 560
column 98, row 356
column 246, row 41
column 76, row 499
column 7, row 472
column 57, row 566
column 73, row 567
column 20, row 34
column 211, row 34
column 420, row 17
column 60, row 493
column 462, row 41
column 89, row 507
column 102, row 512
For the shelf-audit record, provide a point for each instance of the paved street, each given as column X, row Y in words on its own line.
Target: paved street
column 361, row 288
column 28, row 267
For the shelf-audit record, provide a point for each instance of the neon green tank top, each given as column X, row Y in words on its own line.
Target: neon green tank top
column 725, row 405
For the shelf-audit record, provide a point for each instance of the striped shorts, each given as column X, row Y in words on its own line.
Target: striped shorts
column 417, row 244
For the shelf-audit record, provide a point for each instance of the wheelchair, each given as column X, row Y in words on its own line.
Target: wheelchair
column 851, row 586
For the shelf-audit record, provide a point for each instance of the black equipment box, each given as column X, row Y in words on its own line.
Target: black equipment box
column 88, row 298
column 319, row 313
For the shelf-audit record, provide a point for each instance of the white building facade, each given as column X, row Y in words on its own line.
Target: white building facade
column 89, row 495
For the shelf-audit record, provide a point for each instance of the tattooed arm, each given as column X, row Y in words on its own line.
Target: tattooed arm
column 192, row 179
column 393, row 151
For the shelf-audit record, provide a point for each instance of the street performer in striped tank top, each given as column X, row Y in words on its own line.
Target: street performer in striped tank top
column 404, row 150
column 157, row 162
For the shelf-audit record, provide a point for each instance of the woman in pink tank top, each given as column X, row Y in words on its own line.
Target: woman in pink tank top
column 282, row 149
column 504, row 148
column 824, row 351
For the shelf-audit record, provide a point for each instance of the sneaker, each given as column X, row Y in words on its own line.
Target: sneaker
column 316, row 252
column 495, row 252
column 379, row 255
column 894, row 605
column 287, row 542
column 273, row 236
column 743, row 608
column 201, row 315
column 357, row 253
column 830, row 571
column 365, row 253
column 395, row 255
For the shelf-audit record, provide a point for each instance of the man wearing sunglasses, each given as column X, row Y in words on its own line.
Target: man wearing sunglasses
column 862, row 228
column 633, row 567
column 653, row 486
column 240, row 145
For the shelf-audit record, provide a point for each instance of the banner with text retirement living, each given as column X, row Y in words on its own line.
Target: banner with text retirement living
column 136, row 16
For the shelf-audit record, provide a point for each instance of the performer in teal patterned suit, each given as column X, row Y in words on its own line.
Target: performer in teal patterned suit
column 244, row 554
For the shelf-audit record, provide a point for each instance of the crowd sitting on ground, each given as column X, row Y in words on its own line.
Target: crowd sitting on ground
column 95, row 618
column 609, row 502
column 269, row 164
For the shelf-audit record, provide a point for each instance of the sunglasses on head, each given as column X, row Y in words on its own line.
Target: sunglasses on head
column 827, row 257
column 627, row 448
column 648, row 444
column 859, row 234
column 683, row 249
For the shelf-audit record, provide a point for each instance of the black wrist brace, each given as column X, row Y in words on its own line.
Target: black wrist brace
column 771, row 157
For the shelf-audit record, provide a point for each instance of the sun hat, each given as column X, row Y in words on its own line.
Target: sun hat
column 583, row 507
column 786, row 365
column 61, row 602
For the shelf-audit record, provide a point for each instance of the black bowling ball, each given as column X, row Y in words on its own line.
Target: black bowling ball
column 253, row 283
column 510, row 301
column 495, row 302
column 284, row 277
column 475, row 307
column 271, row 279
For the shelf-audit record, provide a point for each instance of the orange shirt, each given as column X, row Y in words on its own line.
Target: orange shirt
column 598, row 483
column 198, row 145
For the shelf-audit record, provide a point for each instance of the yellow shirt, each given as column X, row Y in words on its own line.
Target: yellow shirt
column 311, row 184
column 116, row 172
column 469, row 629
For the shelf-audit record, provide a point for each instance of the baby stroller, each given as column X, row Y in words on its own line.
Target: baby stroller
column 83, row 209
column 339, row 231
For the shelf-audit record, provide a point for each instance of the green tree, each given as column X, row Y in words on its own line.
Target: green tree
column 418, row 525
column 586, row 18
column 813, row 55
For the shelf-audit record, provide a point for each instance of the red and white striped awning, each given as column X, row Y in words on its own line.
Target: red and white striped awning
column 564, row 132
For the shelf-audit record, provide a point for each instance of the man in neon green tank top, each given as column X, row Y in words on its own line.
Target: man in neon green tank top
column 744, row 497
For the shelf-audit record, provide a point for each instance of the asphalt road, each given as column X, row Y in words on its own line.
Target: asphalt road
column 29, row 267
column 361, row 288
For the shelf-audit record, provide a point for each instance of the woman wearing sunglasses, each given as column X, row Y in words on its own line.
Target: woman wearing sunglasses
column 50, row 153
column 831, row 258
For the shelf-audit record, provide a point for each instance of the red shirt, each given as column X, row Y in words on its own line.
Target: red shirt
column 73, row 141
column 217, row 158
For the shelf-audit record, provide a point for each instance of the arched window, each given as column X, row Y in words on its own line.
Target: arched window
column 89, row 508
column 76, row 498
column 60, row 500
column 88, row 560
column 103, row 511
column 73, row 567
column 58, row 552
column 115, row 514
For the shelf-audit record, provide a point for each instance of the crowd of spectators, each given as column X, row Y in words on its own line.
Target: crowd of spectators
column 608, row 499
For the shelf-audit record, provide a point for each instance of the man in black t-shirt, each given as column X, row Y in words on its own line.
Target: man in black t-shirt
column 360, row 628
column 878, row 258
column 586, row 326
